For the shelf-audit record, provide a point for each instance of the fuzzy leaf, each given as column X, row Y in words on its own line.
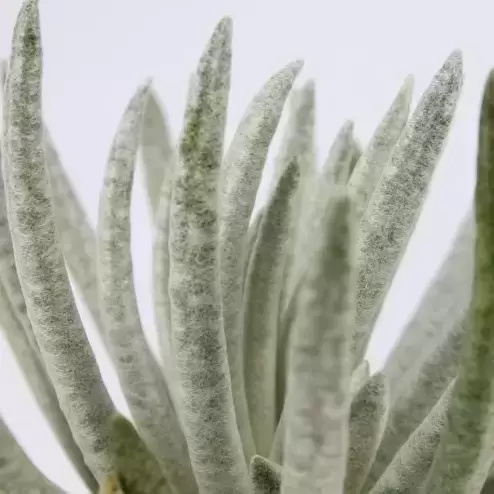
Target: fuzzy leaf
column 464, row 455
column 417, row 399
column 368, row 416
column 50, row 303
column 278, row 444
column 360, row 376
column 340, row 156
column 138, row 471
column 409, row 468
column 77, row 236
column 252, row 235
column 356, row 155
column 334, row 175
column 198, row 338
column 298, row 144
column 367, row 171
column 261, row 310
column 141, row 378
column 298, row 136
column 241, row 174
column 265, row 475
column 395, row 205
column 158, row 151
column 40, row 385
column 318, row 398
column 17, row 474
column 443, row 305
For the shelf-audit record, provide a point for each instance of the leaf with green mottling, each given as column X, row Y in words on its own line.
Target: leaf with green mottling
column 77, row 236
column 465, row 454
column 417, row 398
column 360, row 376
column 50, row 303
column 39, row 383
column 265, row 475
column 333, row 176
column 396, row 202
column 158, row 151
column 142, row 380
column 138, row 471
column 409, row 467
column 198, row 337
column 368, row 416
column 261, row 309
column 241, row 174
column 368, row 169
column 443, row 305
column 318, row 397
column 17, row 474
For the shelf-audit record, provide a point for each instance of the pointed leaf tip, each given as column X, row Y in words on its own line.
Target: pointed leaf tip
column 348, row 127
column 297, row 65
column 489, row 85
column 309, row 87
column 29, row 12
column 454, row 61
column 408, row 85
column 28, row 16
column 224, row 28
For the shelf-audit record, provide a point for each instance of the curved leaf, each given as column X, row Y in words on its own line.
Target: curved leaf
column 395, row 205
column 198, row 338
column 261, row 309
column 241, row 175
column 50, row 303
column 141, row 378
column 318, row 398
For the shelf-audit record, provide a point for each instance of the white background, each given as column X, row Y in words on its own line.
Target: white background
column 96, row 52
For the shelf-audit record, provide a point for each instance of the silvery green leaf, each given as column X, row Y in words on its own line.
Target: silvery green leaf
column 265, row 475
column 278, row 444
column 367, row 171
column 161, row 273
column 465, row 454
column 356, row 155
column 318, row 397
column 77, row 236
column 197, row 336
column 368, row 416
column 17, row 474
column 9, row 279
column 396, row 202
column 138, row 471
column 332, row 177
column 417, row 398
column 241, row 174
column 298, row 135
column 298, row 144
column 336, row 168
column 158, row 151
column 142, row 380
column 252, row 235
column 34, row 371
column 261, row 309
column 359, row 376
column 409, row 467
column 444, row 304
column 50, row 303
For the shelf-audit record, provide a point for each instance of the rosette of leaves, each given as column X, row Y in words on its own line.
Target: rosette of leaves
column 263, row 321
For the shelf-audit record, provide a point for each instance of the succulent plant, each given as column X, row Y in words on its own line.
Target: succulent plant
column 263, row 320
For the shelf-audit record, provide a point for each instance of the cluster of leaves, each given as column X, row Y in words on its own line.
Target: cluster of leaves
column 263, row 321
